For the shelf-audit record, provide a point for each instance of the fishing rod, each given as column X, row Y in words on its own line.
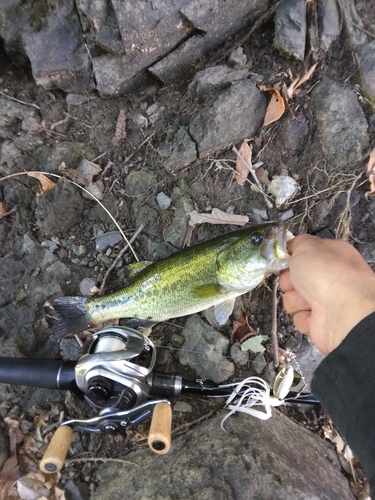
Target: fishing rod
column 116, row 377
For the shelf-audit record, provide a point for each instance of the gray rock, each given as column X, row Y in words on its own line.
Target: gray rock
column 210, row 80
column 353, row 22
column 79, row 250
column 57, row 51
column 239, row 357
column 180, row 151
column 176, row 232
column 204, row 350
column 183, row 407
column 177, row 340
column 99, row 25
column 294, row 132
column 11, row 116
column 366, row 58
column 216, row 21
column 254, row 459
column 60, row 209
column 290, row 28
column 242, row 105
column 14, row 16
column 146, row 214
column 107, row 240
column 17, row 193
column 11, row 158
column 112, row 75
column 86, row 287
column 143, row 28
column 163, row 200
column 70, row 349
column 343, row 128
column 237, row 58
column 22, row 323
column 308, row 358
column 259, row 363
column 329, row 22
column 76, row 490
column 158, row 249
column 138, row 182
column 367, row 251
column 68, row 152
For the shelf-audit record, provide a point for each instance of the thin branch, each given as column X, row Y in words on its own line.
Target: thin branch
column 20, row 102
column 5, row 214
column 92, row 459
column 274, row 338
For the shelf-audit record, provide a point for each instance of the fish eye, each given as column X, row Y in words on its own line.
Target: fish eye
column 256, row 239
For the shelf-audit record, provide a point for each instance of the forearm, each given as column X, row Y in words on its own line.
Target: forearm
column 345, row 385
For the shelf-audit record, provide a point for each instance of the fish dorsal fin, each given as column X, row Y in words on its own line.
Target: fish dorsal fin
column 223, row 310
column 132, row 270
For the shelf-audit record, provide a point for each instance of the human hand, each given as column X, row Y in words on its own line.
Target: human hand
column 329, row 289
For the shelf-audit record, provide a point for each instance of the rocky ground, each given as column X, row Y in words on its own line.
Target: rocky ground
column 148, row 128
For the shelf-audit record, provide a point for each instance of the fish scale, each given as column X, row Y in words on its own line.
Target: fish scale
column 208, row 274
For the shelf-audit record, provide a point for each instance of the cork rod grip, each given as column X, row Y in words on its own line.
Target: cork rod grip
column 54, row 456
column 159, row 437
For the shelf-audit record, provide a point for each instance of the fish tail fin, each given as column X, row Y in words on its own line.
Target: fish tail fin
column 72, row 316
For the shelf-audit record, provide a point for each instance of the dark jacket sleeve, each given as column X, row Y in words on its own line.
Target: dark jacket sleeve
column 345, row 384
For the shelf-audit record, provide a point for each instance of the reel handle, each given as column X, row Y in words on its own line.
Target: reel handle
column 54, row 456
column 159, row 436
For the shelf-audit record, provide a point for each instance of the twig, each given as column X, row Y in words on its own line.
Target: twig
column 135, row 235
column 139, row 147
column 274, row 339
column 106, row 168
column 5, row 214
column 258, row 184
column 92, row 459
column 20, row 102
column 60, row 122
column 79, row 341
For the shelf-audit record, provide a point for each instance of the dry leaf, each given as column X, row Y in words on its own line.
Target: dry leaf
column 217, row 217
column 242, row 170
column 262, row 175
column 254, row 344
column 299, row 81
column 45, row 183
column 241, row 329
column 3, row 210
column 275, row 109
column 59, row 494
column 8, row 476
column 120, row 132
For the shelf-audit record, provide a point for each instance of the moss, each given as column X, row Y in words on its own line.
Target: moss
column 40, row 10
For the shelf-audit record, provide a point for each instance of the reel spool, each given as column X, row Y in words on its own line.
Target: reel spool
column 117, row 364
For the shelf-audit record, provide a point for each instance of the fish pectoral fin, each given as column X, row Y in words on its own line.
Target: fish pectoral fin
column 209, row 291
column 223, row 310
column 132, row 270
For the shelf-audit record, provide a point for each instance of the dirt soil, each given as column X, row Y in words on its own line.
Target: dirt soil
column 208, row 183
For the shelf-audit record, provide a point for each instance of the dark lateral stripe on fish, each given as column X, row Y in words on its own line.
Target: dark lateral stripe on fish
column 71, row 315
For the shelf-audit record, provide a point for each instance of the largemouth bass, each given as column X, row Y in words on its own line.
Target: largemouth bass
column 212, row 273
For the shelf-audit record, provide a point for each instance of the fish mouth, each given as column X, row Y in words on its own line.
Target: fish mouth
column 276, row 252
